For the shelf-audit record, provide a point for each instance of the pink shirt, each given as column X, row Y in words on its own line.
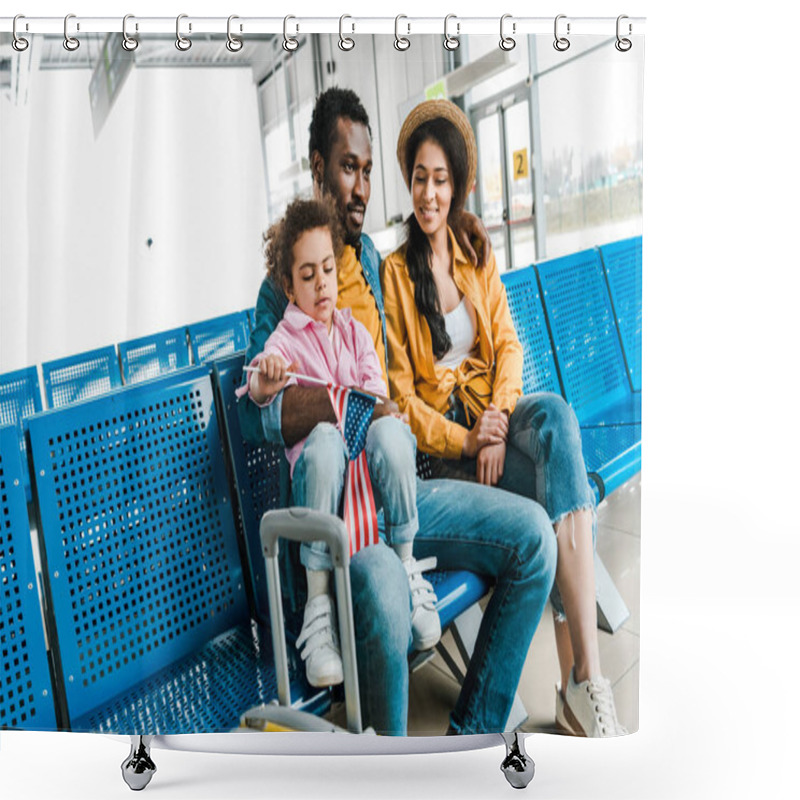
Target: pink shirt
column 349, row 360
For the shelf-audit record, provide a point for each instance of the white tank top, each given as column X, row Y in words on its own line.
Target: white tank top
column 462, row 330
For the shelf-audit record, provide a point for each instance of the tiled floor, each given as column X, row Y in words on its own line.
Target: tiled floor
column 434, row 691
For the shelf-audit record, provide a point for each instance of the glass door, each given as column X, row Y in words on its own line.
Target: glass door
column 505, row 178
column 491, row 188
column 519, row 182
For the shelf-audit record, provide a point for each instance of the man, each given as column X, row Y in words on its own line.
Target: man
column 464, row 525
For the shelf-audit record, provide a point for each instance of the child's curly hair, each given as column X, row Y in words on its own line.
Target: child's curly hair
column 301, row 216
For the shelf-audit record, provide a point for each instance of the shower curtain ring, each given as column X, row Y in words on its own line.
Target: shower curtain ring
column 234, row 43
column 451, row 42
column 19, row 43
column 561, row 43
column 623, row 45
column 70, row 42
column 346, row 43
column 129, row 43
column 507, row 42
column 290, row 44
column 401, row 43
column 182, row 42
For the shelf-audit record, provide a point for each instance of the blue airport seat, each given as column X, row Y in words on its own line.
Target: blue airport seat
column 20, row 397
column 587, row 347
column 68, row 380
column 613, row 454
column 26, row 691
column 592, row 367
column 622, row 262
column 218, row 337
column 150, row 356
column 261, row 483
column 140, row 563
column 456, row 591
column 538, row 367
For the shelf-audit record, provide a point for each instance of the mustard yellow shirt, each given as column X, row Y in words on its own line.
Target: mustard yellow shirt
column 419, row 385
column 355, row 294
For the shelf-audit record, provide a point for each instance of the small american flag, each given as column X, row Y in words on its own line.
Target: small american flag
column 353, row 411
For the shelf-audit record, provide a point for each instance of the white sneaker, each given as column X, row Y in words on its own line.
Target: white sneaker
column 321, row 652
column 426, row 629
column 588, row 709
column 561, row 721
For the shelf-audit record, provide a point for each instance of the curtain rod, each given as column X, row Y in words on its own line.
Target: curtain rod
column 349, row 25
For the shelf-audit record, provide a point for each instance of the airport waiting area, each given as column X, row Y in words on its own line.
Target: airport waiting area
column 134, row 585
column 137, row 590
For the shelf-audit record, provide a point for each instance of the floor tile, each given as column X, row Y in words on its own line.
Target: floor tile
column 622, row 508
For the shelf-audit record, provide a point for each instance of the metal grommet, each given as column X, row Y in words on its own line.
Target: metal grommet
column 234, row 43
column 129, row 43
column 181, row 42
column 290, row 44
column 623, row 45
column 19, row 43
column 401, row 43
column 506, row 42
column 561, row 43
column 345, row 42
column 70, row 42
column 451, row 42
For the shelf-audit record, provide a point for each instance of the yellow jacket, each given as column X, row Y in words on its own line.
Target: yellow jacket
column 422, row 388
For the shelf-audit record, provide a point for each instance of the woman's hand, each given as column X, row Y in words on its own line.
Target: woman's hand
column 490, row 463
column 490, row 428
column 270, row 378
column 473, row 228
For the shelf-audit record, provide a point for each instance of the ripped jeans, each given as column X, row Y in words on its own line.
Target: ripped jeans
column 544, row 460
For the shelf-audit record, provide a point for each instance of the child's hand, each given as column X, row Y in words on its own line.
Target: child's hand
column 270, row 378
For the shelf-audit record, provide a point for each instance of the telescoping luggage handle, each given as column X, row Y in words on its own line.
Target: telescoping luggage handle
column 309, row 525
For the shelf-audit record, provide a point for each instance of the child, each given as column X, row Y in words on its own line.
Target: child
column 316, row 339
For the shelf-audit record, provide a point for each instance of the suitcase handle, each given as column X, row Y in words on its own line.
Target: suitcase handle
column 308, row 525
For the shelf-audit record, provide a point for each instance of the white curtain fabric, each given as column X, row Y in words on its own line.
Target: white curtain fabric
column 154, row 223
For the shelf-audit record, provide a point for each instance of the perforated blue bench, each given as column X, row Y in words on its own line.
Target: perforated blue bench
column 260, row 482
column 68, row 380
column 20, row 397
column 26, row 690
column 218, row 337
column 622, row 262
column 146, row 603
column 150, row 356
column 591, row 365
column 538, row 365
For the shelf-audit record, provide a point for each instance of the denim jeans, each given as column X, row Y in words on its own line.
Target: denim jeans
column 503, row 536
column 544, row 460
column 318, row 480
column 506, row 537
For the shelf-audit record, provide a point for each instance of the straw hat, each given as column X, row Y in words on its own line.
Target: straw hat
column 429, row 110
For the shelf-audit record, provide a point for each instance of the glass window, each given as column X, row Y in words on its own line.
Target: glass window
column 590, row 119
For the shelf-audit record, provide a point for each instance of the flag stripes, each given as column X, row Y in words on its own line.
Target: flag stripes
column 353, row 412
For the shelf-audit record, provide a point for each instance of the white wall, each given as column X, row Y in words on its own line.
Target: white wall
column 178, row 161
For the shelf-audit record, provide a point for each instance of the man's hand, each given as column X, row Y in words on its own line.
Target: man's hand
column 490, row 428
column 387, row 408
column 270, row 378
column 471, row 229
column 490, row 463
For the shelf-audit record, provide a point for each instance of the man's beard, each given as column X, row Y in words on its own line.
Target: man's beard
column 353, row 238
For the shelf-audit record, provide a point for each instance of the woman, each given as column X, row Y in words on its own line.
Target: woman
column 455, row 368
